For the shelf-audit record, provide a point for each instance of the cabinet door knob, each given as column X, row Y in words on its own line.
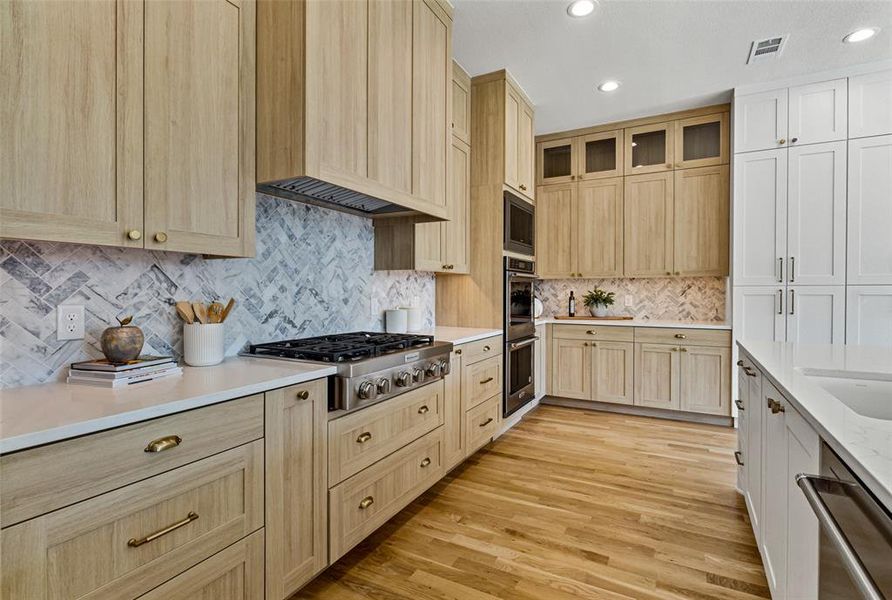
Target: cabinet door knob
column 572, row 177
column 134, row 234
column 303, row 395
column 668, row 272
column 458, row 351
column 160, row 237
column 678, row 272
column 782, row 141
column 794, row 140
column 486, row 348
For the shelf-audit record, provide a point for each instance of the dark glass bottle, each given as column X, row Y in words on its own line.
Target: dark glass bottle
column 572, row 307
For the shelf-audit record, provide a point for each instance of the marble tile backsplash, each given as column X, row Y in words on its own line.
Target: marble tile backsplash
column 312, row 275
column 671, row 299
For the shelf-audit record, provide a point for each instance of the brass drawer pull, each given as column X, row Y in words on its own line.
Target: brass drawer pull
column 486, row 348
column 487, row 380
column 749, row 371
column 425, row 462
column 740, row 363
column 165, row 443
column 363, row 437
column 135, row 543
column 366, row 502
column 681, row 336
column 423, row 410
column 458, row 351
column 739, row 404
column 303, row 395
column 486, row 422
column 775, row 406
column 592, row 332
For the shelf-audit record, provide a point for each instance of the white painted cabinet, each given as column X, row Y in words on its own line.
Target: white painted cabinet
column 869, row 315
column 803, row 533
column 818, row 112
column 753, row 445
column 760, row 217
column 816, row 214
column 816, row 314
column 759, row 313
column 870, row 211
column 870, row 99
column 774, row 492
column 760, row 121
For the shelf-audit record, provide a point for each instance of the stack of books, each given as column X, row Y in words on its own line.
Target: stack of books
column 107, row 374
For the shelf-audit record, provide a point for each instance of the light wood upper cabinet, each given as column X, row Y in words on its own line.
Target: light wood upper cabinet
column 599, row 228
column 702, row 206
column 555, row 161
column 519, row 142
column 818, row 112
column 525, row 151
column 760, row 121
column 556, row 231
column 599, row 155
column 649, row 225
column 461, row 104
column 702, row 141
column 649, row 148
column 657, row 372
column 296, row 447
column 704, row 374
column 144, row 114
column 199, row 126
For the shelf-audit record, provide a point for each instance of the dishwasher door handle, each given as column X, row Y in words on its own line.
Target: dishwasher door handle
column 860, row 577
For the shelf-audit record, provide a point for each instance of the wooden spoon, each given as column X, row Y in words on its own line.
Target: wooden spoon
column 215, row 312
column 201, row 312
column 184, row 309
column 226, row 310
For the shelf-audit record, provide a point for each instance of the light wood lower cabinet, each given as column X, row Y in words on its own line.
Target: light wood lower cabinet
column 296, row 421
column 657, row 373
column 600, row 370
column 571, row 369
column 481, row 381
column 612, row 372
column 235, row 573
column 482, row 422
column 704, row 377
column 126, row 542
column 454, row 447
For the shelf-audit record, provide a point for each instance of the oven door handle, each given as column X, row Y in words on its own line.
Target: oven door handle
column 516, row 345
column 519, row 275
column 860, row 577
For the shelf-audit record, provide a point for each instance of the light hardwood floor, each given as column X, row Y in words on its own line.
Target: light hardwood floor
column 569, row 504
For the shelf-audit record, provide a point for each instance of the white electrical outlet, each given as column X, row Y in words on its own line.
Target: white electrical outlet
column 628, row 300
column 69, row 322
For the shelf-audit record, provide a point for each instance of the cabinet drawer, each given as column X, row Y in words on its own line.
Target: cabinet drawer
column 607, row 333
column 366, row 436
column 235, row 573
column 482, row 422
column 682, row 336
column 364, row 502
column 43, row 479
column 481, row 380
column 128, row 541
column 481, row 349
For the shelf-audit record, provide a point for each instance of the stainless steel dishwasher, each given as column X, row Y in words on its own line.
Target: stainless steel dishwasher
column 856, row 533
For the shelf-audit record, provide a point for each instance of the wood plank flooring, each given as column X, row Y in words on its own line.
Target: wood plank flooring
column 569, row 504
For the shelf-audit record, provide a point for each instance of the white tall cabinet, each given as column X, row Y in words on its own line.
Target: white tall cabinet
column 813, row 212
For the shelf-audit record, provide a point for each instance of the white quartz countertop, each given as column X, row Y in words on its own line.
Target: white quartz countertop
column 40, row 414
column 637, row 323
column 462, row 335
column 864, row 443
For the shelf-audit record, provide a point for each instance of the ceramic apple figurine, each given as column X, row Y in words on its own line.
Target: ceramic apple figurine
column 124, row 343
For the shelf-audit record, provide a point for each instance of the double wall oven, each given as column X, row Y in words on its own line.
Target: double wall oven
column 520, row 334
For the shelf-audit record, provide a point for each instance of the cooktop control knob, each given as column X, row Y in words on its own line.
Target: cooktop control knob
column 433, row 370
column 444, row 366
column 367, row 390
column 418, row 375
column 404, row 379
column 383, row 385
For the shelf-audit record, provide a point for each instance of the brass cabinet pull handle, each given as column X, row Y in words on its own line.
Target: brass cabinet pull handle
column 425, row 462
column 486, row 422
column 458, row 351
column 487, row 380
column 749, row 371
column 134, row 234
column 591, row 332
column 740, row 363
column 682, row 349
column 523, row 187
column 739, row 404
column 681, row 336
column 423, row 410
column 135, row 543
column 363, row 437
column 164, row 443
column 303, row 395
column 486, row 348
column 366, row 502
column 775, row 406
column 738, row 456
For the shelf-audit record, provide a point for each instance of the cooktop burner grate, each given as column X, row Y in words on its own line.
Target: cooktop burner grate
column 342, row 347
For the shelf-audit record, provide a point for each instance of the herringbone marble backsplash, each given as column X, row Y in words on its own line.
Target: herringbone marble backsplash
column 671, row 299
column 312, row 275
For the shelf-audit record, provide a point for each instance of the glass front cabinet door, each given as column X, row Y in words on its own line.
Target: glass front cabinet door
column 701, row 141
column 649, row 148
column 600, row 155
column 555, row 161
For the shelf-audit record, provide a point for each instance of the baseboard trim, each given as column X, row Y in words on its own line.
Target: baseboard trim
column 659, row 413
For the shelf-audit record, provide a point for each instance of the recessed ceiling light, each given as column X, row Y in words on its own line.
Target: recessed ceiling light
column 581, row 8
column 860, row 35
column 609, row 86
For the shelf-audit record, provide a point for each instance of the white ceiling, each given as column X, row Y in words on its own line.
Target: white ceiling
column 669, row 55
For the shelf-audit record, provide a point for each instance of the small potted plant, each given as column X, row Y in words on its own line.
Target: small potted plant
column 597, row 301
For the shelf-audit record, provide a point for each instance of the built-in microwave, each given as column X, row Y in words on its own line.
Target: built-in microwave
column 520, row 225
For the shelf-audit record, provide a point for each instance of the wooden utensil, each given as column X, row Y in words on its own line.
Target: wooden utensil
column 201, row 312
column 226, row 310
column 215, row 312
column 184, row 310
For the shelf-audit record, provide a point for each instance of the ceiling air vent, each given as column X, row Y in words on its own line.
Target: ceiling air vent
column 761, row 50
